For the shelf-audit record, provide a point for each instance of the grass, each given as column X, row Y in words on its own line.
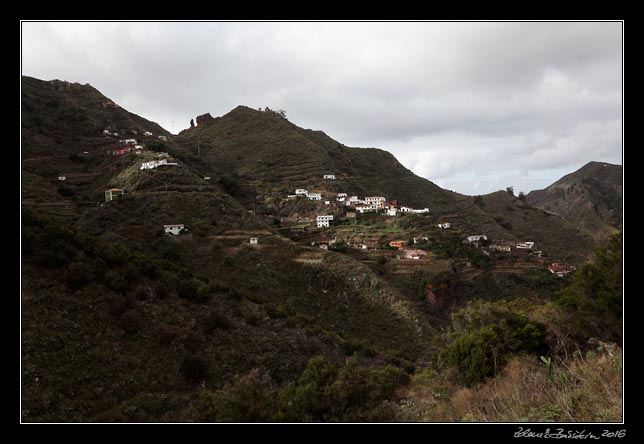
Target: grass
column 582, row 389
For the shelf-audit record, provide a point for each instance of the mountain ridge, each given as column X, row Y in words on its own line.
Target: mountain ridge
column 590, row 198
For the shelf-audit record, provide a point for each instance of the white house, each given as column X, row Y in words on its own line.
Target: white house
column 374, row 199
column 156, row 163
column 329, row 176
column 115, row 134
column 138, row 147
column 130, row 141
column 327, row 202
column 206, row 178
column 147, row 133
column 173, row 229
column 164, row 138
column 301, row 191
column 525, row 245
column 340, row 199
column 106, row 132
column 112, row 194
column 475, row 238
column 414, row 254
column 342, row 195
column 315, row 196
column 291, row 196
column 324, row 221
column 500, row 247
column 253, row 241
column 392, row 212
column 367, row 208
column 444, row 225
column 62, row 178
column 424, row 210
column 405, row 209
column 324, row 246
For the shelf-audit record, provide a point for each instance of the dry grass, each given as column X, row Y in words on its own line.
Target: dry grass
column 585, row 389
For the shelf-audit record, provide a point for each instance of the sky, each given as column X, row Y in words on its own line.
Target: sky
column 475, row 107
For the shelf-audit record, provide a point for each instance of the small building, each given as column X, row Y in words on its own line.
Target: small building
column 253, row 241
column 138, row 147
column 106, row 132
column 400, row 244
column 300, row 191
column 500, row 247
column 329, row 176
column 560, row 270
column 324, row 246
column 174, row 229
column 327, row 202
column 374, row 199
column 392, row 212
column 291, row 196
column 206, row 178
column 121, row 151
column 62, row 178
column 525, row 245
column 147, row 133
column 475, row 238
column 367, row 208
column 113, row 193
column 164, row 138
column 444, row 225
column 340, row 195
column 130, row 141
column 314, row 196
column 324, row 221
column 415, row 254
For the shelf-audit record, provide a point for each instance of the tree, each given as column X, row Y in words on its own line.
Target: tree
column 282, row 113
column 510, row 191
column 522, row 196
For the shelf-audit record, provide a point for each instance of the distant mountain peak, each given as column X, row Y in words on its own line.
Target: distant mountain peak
column 590, row 198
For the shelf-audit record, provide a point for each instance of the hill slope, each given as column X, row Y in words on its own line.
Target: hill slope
column 270, row 157
column 590, row 198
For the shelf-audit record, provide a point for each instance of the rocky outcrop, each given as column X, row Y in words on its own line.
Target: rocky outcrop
column 205, row 120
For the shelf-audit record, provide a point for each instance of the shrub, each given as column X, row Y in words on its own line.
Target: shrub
column 485, row 335
column 247, row 398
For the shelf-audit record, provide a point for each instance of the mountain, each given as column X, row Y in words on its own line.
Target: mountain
column 590, row 198
column 269, row 157
column 124, row 322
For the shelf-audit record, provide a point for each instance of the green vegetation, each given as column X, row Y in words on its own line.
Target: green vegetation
column 594, row 297
column 122, row 322
column 486, row 335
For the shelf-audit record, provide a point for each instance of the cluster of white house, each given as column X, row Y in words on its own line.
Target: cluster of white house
column 365, row 205
column 107, row 132
column 156, row 163
column 303, row 192
column 475, row 239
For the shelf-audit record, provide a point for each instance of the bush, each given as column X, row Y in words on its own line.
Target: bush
column 486, row 335
column 248, row 398
column 594, row 297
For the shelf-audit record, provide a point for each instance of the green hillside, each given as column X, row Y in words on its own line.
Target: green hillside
column 123, row 322
column 590, row 198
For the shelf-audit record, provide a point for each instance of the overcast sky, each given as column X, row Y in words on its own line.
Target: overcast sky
column 473, row 107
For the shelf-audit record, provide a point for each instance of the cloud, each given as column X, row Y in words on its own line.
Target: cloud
column 453, row 101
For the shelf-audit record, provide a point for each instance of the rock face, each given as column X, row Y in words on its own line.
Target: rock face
column 205, row 120
column 192, row 123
